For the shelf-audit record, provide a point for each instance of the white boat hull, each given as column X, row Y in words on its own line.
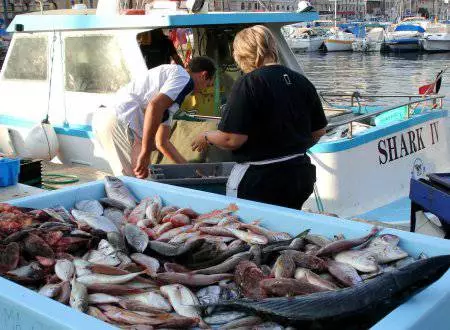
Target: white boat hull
column 364, row 177
column 305, row 45
column 371, row 46
column 436, row 45
column 334, row 45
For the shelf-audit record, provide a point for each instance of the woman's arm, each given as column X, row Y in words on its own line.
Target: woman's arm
column 316, row 135
column 164, row 145
column 227, row 141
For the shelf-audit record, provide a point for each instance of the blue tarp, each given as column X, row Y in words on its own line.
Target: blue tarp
column 409, row 27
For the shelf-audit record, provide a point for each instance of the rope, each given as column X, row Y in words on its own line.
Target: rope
column 55, row 178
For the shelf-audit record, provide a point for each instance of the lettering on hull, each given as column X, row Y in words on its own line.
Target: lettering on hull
column 407, row 143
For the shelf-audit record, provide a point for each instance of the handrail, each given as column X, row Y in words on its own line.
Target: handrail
column 350, row 94
column 368, row 115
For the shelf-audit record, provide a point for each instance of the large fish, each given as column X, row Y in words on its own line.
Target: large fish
column 90, row 206
column 95, row 221
column 137, row 238
column 346, row 302
column 282, row 287
column 117, row 191
column 346, row 244
column 363, row 261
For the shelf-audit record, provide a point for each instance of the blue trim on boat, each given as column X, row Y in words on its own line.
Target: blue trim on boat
column 375, row 133
column 404, row 41
column 35, row 23
column 82, row 131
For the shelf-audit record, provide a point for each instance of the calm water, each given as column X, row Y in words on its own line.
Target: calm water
column 374, row 73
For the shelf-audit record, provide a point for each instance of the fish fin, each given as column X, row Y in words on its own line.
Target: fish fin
column 303, row 234
column 256, row 222
column 232, row 207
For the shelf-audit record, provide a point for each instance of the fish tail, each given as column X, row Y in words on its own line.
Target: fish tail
column 232, row 207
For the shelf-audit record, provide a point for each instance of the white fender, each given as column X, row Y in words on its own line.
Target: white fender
column 41, row 142
column 6, row 145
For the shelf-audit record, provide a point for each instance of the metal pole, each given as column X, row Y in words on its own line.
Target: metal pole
column 5, row 12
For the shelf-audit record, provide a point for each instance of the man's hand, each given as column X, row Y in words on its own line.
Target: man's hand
column 143, row 162
column 199, row 143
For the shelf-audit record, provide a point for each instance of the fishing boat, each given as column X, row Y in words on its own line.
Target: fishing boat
column 62, row 66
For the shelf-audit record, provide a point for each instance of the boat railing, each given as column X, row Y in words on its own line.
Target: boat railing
column 411, row 105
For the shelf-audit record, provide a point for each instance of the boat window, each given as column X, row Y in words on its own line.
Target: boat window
column 255, row 6
column 242, row 6
column 94, row 64
column 249, row 6
column 278, row 7
column 28, row 59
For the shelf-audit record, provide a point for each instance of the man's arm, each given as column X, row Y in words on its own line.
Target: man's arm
column 164, row 145
column 152, row 119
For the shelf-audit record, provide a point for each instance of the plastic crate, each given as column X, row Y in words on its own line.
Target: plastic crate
column 214, row 179
column 428, row 309
column 9, row 171
column 31, row 172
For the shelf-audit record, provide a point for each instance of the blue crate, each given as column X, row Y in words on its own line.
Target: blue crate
column 9, row 171
column 427, row 309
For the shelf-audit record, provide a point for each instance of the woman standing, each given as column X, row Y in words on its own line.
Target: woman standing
column 273, row 115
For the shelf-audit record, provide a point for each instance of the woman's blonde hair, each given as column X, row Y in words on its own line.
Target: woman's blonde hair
column 254, row 46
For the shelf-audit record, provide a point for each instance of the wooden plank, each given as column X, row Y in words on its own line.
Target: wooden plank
column 83, row 173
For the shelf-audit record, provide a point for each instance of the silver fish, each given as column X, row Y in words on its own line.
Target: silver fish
column 148, row 262
column 386, row 252
column 153, row 210
column 317, row 240
column 136, row 237
column 116, row 190
column 50, row 290
column 108, row 202
column 225, row 266
column 94, row 221
column 81, row 267
column 362, row 260
column 312, row 278
column 182, row 299
column 90, row 206
column 224, row 317
column 117, row 241
column 151, row 299
column 345, row 273
column 209, row 295
column 64, row 269
column 243, row 323
column 97, row 257
column 79, row 296
column 102, row 298
column 107, row 279
column 115, row 215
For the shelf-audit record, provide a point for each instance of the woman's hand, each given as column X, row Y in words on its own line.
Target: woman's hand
column 141, row 169
column 200, row 143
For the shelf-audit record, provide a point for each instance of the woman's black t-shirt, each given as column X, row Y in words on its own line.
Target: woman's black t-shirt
column 277, row 108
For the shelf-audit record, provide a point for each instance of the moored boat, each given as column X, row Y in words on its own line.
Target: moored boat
column 338, row 41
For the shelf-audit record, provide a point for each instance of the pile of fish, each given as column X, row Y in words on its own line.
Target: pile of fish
column 145, row 265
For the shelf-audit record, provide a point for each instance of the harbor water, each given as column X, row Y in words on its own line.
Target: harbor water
column 374, row 73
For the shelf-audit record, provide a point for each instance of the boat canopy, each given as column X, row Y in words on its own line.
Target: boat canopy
column 58, row 22
column 409, row 27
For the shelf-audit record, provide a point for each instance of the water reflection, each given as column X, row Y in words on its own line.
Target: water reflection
column 374, row 73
